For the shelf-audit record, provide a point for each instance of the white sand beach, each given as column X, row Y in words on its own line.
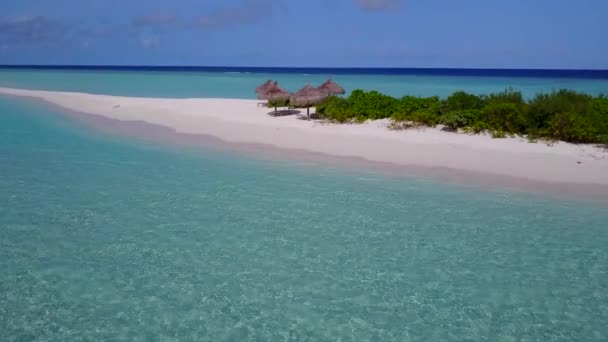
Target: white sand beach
column 242, row 121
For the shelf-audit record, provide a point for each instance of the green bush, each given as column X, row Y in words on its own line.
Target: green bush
column 335, row 109
column 565, row 115
column 425, row 117
column 476, row 128
column 452, row 121
column 409, row 104
column 461, row 100
column 322, row 107
column 507, row 117
column 497, row 134
column 544, row 106
column 572, row 127
column 507, row 96
column 599, row 114
column 371, row 105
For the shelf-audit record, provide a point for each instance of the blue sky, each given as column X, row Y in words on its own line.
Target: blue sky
column 327, row 33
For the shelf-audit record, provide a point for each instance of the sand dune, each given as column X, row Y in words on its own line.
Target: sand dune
column 242, row 121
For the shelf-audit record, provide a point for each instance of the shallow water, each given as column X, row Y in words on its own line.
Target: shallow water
column 104, row 238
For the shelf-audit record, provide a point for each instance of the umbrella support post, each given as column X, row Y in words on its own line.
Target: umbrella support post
column 308, row 112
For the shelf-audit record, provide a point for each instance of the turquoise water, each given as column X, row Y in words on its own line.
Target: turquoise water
column 113, row 239
column 242, row 85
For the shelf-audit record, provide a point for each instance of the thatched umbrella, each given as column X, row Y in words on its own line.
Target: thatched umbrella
column 307, row 96
column 262, row 88
column 274, row 92
column 330, row 87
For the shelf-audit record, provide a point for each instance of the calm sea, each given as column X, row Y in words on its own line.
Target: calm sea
column 114, row 239
column 241, row 82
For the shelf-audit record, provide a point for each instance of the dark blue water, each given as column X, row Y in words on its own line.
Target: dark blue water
column 534, row 73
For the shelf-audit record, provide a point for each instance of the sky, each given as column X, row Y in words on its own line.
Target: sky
column 563, row 34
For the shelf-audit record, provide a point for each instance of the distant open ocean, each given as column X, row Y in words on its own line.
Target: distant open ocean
column 240, row 82
column 115, row 239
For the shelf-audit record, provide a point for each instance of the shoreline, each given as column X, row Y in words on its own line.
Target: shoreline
column 241, row 125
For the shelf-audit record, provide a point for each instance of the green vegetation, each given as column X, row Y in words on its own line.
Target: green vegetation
column 559, row 115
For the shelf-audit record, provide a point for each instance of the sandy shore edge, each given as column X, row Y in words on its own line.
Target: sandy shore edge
column 580, row 169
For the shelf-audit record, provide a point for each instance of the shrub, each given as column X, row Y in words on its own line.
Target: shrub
column 507, row 96
column 572, row 127
column 458, row 119
column 409, row 104
column 461, row 100
column 508, row 117
column 564, row 114
column 544, row 106
column 401, row 116
column 477, row 127
column 599, row 114
column 425, row 117
column 497, row 134
column 371, row 105
column 335, row 109
column 322, row 107
column 400, row 125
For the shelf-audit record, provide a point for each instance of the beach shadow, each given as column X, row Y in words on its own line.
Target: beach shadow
column 313, row 116
column 284, row 112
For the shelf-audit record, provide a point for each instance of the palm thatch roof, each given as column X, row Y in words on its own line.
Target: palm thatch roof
column 307, row 96
column 274, row 92
column 262, row 88
column 330, row 87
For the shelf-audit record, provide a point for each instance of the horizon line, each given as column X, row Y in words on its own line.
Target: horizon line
column 598, row 74
column 284, row 67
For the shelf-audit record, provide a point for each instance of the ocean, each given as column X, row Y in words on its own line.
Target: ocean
column 240, row 82
column 112, row 238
